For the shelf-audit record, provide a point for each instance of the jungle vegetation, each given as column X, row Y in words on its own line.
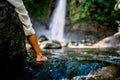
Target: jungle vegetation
column 99, row 10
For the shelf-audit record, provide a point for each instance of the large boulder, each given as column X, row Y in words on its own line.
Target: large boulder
column 12, row 42
column 109, row 42
column 105, row 73
column 42, row 38
column 51, row 45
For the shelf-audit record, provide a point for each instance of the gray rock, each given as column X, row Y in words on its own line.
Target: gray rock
column 104, row 73
column 64, row 43
column 109, row 42
column 73, row 43
column 106, row 43
column 42, row 38
column 50, row 45
column 12, row 41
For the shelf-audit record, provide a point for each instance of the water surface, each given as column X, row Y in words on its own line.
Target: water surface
column 67, row 65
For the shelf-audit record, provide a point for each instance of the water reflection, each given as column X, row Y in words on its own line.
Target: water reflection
column 64, row 69
column 65, row 65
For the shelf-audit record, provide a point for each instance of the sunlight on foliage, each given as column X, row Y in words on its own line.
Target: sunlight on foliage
column 98, row 10
column 117, row 6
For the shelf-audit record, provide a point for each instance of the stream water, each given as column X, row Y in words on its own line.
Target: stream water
column 63, row 64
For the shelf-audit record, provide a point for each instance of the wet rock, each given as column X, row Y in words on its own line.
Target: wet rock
column 117, row 35
column 87, row 42
column 88, row 39
column 28, row 46
column 50, row 45
column 73, row 43
column 104, row 73
column 64, row 44
column 12, row 42
column 107, row 42
column 42, row 38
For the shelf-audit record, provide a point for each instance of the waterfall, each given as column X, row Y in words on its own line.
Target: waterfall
column 58, row 21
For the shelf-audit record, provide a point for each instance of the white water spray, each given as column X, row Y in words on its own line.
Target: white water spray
column 58, row 21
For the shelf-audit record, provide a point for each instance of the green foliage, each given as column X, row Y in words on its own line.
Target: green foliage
column 36, row 7
column 117, row 8
column 98, row 10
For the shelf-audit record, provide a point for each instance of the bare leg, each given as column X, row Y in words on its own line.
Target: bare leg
column 34, row 43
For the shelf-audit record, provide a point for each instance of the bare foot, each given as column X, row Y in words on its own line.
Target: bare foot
column 41, row 58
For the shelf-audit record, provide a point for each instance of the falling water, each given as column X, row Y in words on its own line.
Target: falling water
column 58, row 21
